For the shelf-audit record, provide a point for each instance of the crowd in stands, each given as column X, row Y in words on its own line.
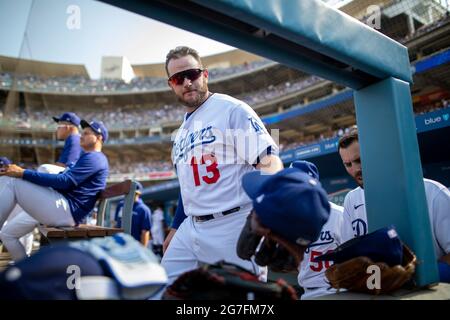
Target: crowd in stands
column 83, row 85
column 329, row 135
column 140, row 167
column 120, row 118
column 115, row 119
column 444, row 103
column 272, row 92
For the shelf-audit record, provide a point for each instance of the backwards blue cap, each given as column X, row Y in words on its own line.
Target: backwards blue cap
column 307, row 167
column 139, row 186
column 68, row 117
column 290, row 203
column 4, row 161
column 382, row 245
column 97, row 126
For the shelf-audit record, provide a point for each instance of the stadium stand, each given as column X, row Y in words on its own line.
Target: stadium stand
column 142, row 115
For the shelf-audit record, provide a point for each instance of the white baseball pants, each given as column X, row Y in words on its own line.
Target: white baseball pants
column 209, row 241
column 43, row 205
column 26, row 221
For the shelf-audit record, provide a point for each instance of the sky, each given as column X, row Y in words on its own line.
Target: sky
column 82, row 31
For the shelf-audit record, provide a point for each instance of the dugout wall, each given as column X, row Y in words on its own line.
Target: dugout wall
column 317, row 39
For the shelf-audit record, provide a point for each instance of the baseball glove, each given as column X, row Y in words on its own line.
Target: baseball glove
column 353, row 274
column 269, row 249
column 225, row 281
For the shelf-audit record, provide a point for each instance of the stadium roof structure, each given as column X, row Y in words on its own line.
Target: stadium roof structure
column 318, row 39
column 41, row 68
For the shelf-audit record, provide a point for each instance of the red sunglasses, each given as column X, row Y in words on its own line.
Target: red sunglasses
column 191, row 74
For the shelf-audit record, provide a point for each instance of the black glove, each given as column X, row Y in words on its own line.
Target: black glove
column 225, row 281
column 268, row 248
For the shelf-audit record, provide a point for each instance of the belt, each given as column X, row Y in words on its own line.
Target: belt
column 215, row 215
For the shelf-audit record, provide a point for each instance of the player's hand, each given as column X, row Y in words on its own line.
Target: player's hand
column 168, row 239
column 12, row 170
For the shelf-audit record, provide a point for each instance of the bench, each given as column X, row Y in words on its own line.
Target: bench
column 127, row 188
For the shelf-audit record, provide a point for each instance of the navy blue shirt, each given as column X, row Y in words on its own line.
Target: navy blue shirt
column 80, row 184
column 71, row 151
column 140, row 219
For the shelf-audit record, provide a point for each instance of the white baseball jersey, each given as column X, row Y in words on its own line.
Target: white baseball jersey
column 214, row 147
column 157, row 229
column 311, row 275
column 438, row 201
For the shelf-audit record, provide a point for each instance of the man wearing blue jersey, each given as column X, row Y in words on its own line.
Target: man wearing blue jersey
column 67, row 130
column 140, row 219
column 62, row 199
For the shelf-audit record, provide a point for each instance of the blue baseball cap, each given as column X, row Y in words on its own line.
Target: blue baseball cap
column 45, row 275
column 307, row 167
column 4, row 161
column 382, row 245
column 68, row 117
column 97, row 126
column 139, row 187
column 290, row 203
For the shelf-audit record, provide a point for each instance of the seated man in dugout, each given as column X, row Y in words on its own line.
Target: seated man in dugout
column 62, row 199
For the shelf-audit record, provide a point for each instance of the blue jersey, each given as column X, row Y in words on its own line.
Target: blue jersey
column 80, row 185
column 71, row 151
column 140, row 219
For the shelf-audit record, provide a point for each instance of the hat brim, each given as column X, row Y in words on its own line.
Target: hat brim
column 85, row 124
column 56, row 119
column 253, row 181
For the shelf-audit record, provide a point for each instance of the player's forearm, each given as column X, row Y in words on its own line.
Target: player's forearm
column 168, row 239
column 270, row 164
column 145, row 237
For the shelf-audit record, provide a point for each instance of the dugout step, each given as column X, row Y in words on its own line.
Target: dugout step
column 441, row 291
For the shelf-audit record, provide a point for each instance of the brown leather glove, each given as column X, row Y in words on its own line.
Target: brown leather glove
column 353, row 274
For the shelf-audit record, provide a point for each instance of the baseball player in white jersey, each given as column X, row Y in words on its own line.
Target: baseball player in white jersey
column 355, row 217
column 220, row 140
column 311, row 275
column 157, row 231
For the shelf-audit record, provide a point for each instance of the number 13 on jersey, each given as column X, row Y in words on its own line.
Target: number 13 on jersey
column 213, row 173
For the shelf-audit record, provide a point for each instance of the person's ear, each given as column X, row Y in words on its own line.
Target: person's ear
column 169, row 84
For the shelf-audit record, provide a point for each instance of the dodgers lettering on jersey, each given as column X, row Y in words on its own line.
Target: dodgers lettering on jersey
column 438, row 202
column 312, row 274
column 213, row 149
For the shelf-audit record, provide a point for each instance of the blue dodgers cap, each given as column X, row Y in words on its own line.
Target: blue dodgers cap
column 97, row 126
column 382, row 245
column 139, row 187
column 45, row 275
column 68, row 117
column 290, row 203
column 307, row 167
column 4, row 161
